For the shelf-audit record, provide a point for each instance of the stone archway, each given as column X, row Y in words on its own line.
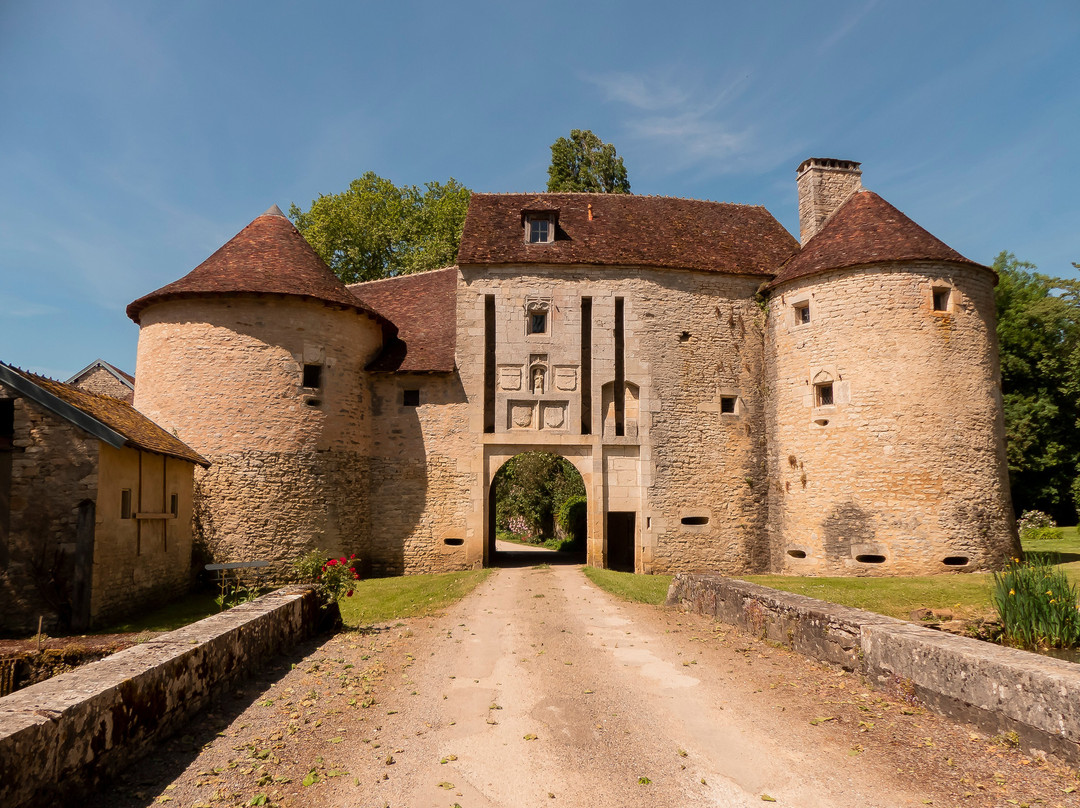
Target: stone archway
column 580, row 457
column 545, row 481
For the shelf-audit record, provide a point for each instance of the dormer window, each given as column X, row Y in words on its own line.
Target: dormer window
column 539, row 227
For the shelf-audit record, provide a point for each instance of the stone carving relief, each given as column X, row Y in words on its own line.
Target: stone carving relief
column 521, row 414
column 565, row 378
column 538, row 380
column 510, row 377
column 553, row 414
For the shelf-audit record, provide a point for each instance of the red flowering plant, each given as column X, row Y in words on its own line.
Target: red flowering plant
column 332, row 578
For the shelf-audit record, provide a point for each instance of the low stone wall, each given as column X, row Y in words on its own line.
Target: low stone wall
column 997, row 689
column 67, row 734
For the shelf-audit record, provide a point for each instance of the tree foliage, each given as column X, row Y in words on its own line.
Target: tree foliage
column 1039, row 343
column 530, row 488
column 376, row 229
column 585, row 163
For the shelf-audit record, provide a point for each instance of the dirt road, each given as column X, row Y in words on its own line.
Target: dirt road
column 541, row 690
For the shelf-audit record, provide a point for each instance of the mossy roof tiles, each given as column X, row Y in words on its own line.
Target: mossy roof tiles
column 268, row 257
column 627, row 230
column 119, row 417
column 423, row 306
column 866, row 230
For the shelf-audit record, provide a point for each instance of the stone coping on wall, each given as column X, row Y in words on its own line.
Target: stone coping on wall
column 68, row 733
column 996, row 688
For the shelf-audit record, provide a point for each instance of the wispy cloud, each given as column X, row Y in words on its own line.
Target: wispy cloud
column 640, row 92
column 846, row 27
column 17, row 307
column 695, row 123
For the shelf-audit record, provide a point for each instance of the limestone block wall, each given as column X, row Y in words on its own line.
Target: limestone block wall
column 289, row 462
column 903, row 472
column 702, row 337
column 143, row 560
column 53, row 470
column 100, row 382
column 420, row 480
column 691, row 340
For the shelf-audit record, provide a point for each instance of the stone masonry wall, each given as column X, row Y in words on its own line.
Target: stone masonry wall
column 906, row 468
column 79, row 729
column 54, row 468
column 420, row 483
column 691, row 338
column 289, row 463
column 1000, row 690
column 822, row 190
column 100, row 382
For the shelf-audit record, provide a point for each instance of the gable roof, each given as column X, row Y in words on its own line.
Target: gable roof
column 268, row 257
column 124, row 378
column 866, row 230
column 108, row 419
column 423, row 306
column 627, row 230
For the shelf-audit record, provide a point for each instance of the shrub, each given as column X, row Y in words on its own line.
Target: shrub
column 572, row 520
column 1037, row 604
column 332, row 578
column 1036, row 525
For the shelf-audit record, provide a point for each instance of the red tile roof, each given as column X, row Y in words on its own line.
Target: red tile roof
column 268, row 257
column 423, row 306
column 866, row 230
column 627, row 230
column 138, row 431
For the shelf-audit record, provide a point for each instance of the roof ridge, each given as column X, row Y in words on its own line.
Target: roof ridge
column 349, row 286
column 622, row 196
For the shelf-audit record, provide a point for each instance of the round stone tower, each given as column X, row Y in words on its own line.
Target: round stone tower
column 256, row 358
column 887, row 452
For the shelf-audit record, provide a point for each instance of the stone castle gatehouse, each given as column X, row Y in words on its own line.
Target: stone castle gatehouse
column 734, row 399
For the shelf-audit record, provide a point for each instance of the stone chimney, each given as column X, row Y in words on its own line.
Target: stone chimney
column 824, row 185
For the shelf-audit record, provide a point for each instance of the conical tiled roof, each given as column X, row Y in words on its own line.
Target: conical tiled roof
column 866, row 230
column 268, row 257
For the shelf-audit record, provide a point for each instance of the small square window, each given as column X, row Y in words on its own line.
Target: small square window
column 410, row 398
column 727, row 404
column 312, row 376
column 941, row 298
column 539, row 231
column 125, row 503
column 823, row 394
column 538, row 323
column 802, row 313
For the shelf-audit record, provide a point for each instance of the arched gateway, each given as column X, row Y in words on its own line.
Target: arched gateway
column 734, row 400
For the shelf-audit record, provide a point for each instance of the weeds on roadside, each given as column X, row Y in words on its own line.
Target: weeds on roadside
column 1037, row 604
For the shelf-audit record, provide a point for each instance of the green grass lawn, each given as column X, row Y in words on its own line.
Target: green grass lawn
column 966, row 595
column 377, row 600
column 642, row 588
column 172, row 616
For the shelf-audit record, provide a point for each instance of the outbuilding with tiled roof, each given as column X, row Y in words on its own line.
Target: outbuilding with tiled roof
column 99, row 491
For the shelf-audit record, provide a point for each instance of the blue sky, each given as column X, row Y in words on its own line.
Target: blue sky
column 137, row 137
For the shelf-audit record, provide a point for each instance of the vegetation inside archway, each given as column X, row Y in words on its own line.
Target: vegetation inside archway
column 540, row 499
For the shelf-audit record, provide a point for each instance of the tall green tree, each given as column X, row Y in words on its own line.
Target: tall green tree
column 585, row 163
column 1039, row 343
column 376, row 229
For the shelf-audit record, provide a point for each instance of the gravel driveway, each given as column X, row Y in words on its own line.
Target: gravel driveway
column 539, row 689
